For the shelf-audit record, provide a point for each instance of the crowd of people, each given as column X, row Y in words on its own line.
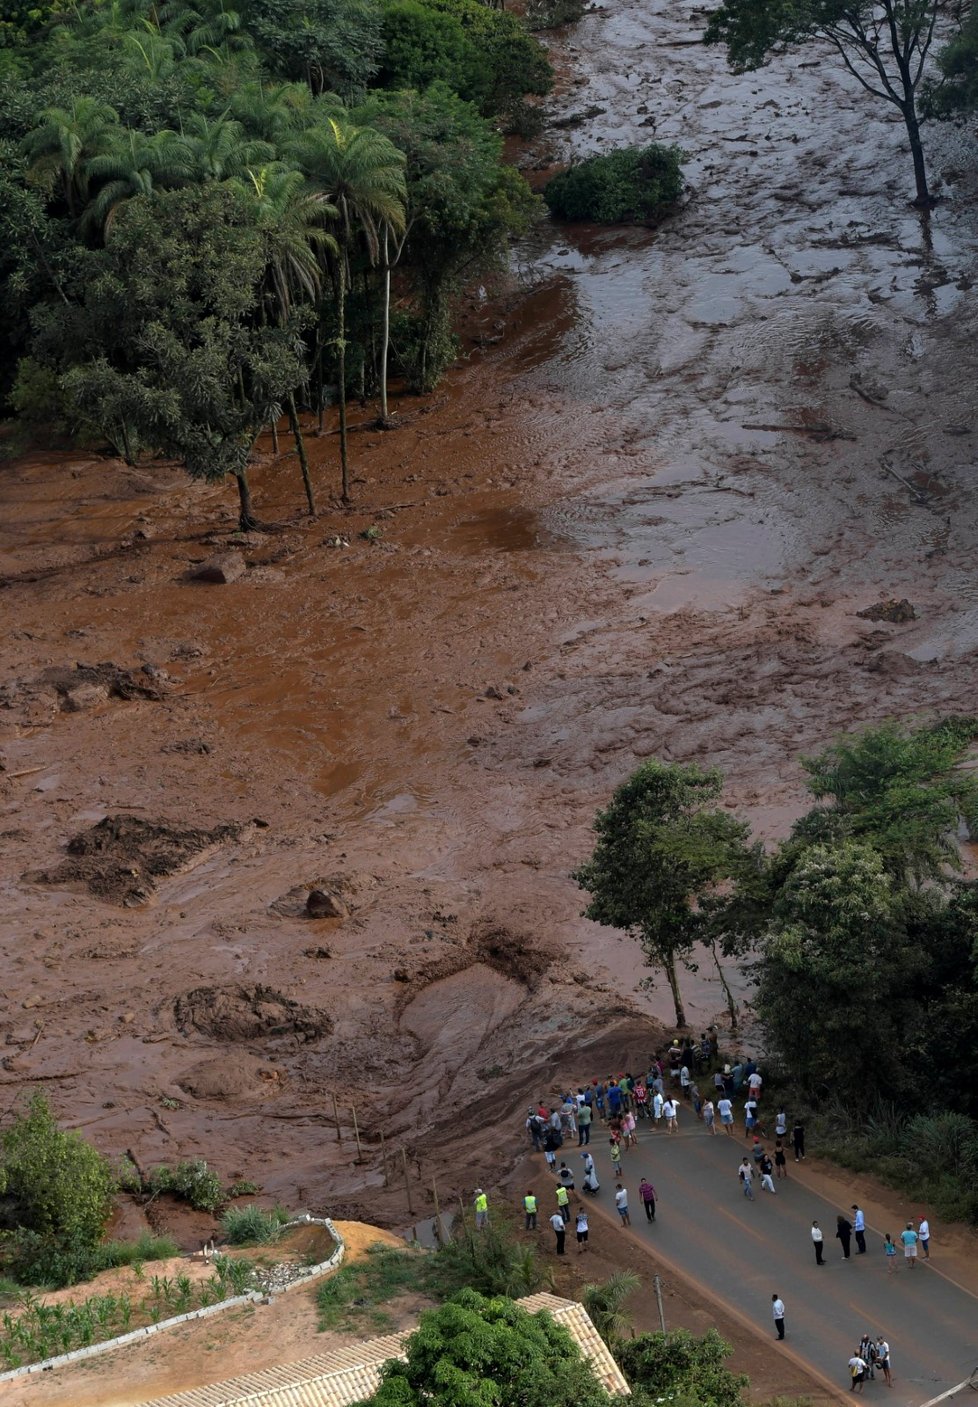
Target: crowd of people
column 671, row 1090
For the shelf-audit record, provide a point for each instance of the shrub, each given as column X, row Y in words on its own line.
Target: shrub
column 61, row 1185
column 35, row 1258
column 192, row 1180
column 551, row 14
column 633, row 185
column 252, row 1224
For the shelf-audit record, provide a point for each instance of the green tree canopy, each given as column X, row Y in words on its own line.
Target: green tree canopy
column 682, row 1365
column 662, row 853
column 957, row 89
column 479, row 1352
column 902, row 789
column 59, row 1183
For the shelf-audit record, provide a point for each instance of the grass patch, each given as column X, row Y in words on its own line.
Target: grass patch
column 148, row 1247
column 253, row 1226
column 356, row 1294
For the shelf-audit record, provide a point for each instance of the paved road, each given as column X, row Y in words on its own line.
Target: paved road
column 746, row 1251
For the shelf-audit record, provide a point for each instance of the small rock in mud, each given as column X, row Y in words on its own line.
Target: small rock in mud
column 895, row 612
column 221, row 569
column 248, row 1014
column 492, row 692
column 84, row 697
column 74, row 684
column 121, row 858
column 321, row 904
column 189, row 745
column 319, row 952
column 188, row 650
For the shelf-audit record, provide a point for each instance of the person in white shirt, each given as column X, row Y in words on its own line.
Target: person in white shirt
column 725, row 1110
column 621, row 1202
column 859, row 1229
column 857, row 1373
column 754, row 1085
column 817, row 1242
column 923, row 1231
column 780, row 1124
column 709, row 1117
column 777, row 1309
column 560, row 1231
column 883, row 1359
column 671, row 1110
column 746, row 1174
column 581, row 1231
column 658, row 1104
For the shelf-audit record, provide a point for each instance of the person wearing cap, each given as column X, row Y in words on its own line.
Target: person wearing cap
column 530, row 1211
column 481, row 1209
column 923, row 1231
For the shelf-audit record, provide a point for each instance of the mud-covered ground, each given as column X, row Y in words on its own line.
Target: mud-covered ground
column 638, row 520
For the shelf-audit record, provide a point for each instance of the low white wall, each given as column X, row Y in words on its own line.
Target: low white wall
column 252, row 1297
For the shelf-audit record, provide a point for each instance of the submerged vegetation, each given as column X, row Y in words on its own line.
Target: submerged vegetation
column 634, row 185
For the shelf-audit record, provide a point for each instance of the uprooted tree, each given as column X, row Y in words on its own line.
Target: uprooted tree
column 883, row 43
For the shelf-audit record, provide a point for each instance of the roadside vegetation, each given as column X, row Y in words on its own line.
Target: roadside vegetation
column 633, row 185
column 859, row 929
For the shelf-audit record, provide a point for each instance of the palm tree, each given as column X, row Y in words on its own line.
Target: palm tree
column 208, row 26
column 272, row 112
column 153, row 53
column 219, row 150
column 362, row 172
column 66, row 140
column 604, row 1304
column 136, row 165
column 290, row 219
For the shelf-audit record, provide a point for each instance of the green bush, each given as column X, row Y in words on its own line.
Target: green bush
column 61, row 1185
column 192, row 1180
column 633, row 185
column 551, row 14
column 244, row 1225
column 36, row 1258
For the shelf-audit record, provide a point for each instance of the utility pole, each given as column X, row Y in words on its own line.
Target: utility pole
column 657, row 1286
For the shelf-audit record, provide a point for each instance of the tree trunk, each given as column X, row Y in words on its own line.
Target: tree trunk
column 732, row 1009
column 300, row 445
column 669, row 964
column 273, row 424
column 385, row 332
column 917, row 152
column 246, row 521
column 341, row 373
column 126, row 446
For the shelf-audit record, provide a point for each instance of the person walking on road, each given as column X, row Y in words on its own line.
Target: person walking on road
column 843, row 1231
column 581, row 1226
column 621, row 1202
column 857, row 1373
column 923, row 1231
column 883, row 1360
column 889, row 1250
column 560, row 1231
column 647, row 1193
column 615, row 1157
column 583, row 1125
column 766, row 1168
column 563, row 1203
column 530, row 1211
column 746, row 1174
column 671, row 1111
column 777, row 1309
column 481, row 1210
column 725, row 1110
column 909, row 1239
column 780, row 1162
column 709, row 1117
column 817, row 1242
column 859, row 1229
column 798, row 1141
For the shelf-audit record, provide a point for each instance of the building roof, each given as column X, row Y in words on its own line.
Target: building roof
column 347, row 1375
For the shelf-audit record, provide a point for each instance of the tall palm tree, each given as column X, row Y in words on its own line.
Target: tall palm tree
column 290, row 218
column 64, row 143
column 362, row 173
column 136, row 165
column 209, row 25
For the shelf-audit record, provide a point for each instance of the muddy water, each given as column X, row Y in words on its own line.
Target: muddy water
column 640, row 525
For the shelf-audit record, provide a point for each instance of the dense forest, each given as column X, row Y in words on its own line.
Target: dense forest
column 214, row 217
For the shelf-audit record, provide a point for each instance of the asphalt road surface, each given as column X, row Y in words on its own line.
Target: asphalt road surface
column 745, row 1252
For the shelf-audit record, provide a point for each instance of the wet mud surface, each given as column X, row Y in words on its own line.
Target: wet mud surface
column 641, row 523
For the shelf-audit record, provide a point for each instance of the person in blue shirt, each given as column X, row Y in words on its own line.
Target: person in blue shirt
column 859, row 1229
